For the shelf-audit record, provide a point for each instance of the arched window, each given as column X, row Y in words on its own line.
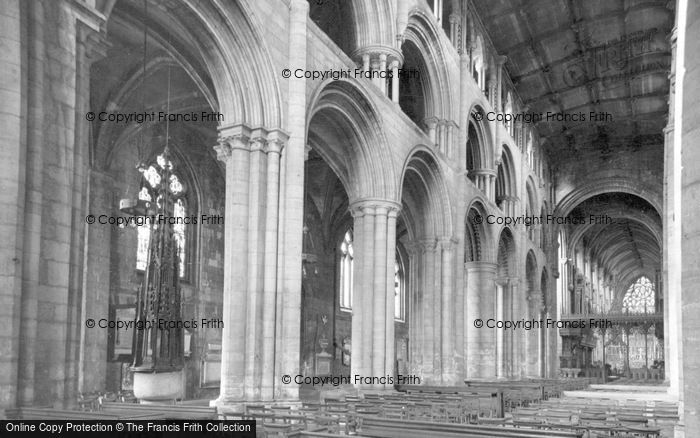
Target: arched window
column 399, row 290
column 152, row 177
column 639, row 297
column 346, row 275
column 529, row 146
column 478, row 64
column 509, row 110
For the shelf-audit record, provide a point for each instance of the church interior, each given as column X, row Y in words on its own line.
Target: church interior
column 381, row 218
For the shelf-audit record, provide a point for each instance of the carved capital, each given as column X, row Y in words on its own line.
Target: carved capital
column 230, row 139
column 374, row 206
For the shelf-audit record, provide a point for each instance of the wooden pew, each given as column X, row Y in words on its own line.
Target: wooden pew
column 388, row 428
column 174, row 412
column 30, row 413
column 495, row 395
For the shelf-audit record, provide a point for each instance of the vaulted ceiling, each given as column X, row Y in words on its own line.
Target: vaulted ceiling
column 601, row 56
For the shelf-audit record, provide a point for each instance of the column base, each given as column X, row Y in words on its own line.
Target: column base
column 159, row 387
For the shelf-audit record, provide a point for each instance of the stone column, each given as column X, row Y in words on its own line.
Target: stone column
column 288, row 329
column 415, row 297
column 500, row 356
column 427, row 325
column 395, row 81
column 493, row 86
column 377, row 60
column 96, row 281
column 13, row 145
column 234, row 150
column 373, row 293
column 499, row 61
column 672, row 241
column 447, row 247
column 34, row 196
column 250, row 338
column 274, row 146
column 479, row 341
column 686, row 139
column 54, row 219
column 454, row 29
column 431, row 123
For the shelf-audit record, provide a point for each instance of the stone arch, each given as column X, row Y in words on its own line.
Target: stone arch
column 343, row 123
column 421, row 34
column 219, row 46
column 640, row 188
column 506, row 185
column 479, row 141
column 477, row 239
column 505, row 258
column 532, row 203
column 531, row 273
column 374, row 23
column 426, row 200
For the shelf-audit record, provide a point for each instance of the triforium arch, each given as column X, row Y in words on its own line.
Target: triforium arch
column 506, row 183
column 421, row 37
column 479, row 153
column 427, row 212
column 532, row 209
column 478, row 239
column 355, row 25
column 344, row 122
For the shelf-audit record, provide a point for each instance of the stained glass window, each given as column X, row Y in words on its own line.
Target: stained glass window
column 152, row 177
column 639, row 297
column 346, row 275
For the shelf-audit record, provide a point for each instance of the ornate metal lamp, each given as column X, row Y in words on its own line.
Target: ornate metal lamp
column 158, row 344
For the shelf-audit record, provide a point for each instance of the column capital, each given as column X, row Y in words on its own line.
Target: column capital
column 95, row 42
column 431, row 122
column 230, row 138
column 481, row 266
column 429, row 244
column 412, row 247
column 364, row 206
column 482, row 172
column 276, row 139
column 375, row 53
column 500, row 60
column 502, row 281
column 447, row 242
